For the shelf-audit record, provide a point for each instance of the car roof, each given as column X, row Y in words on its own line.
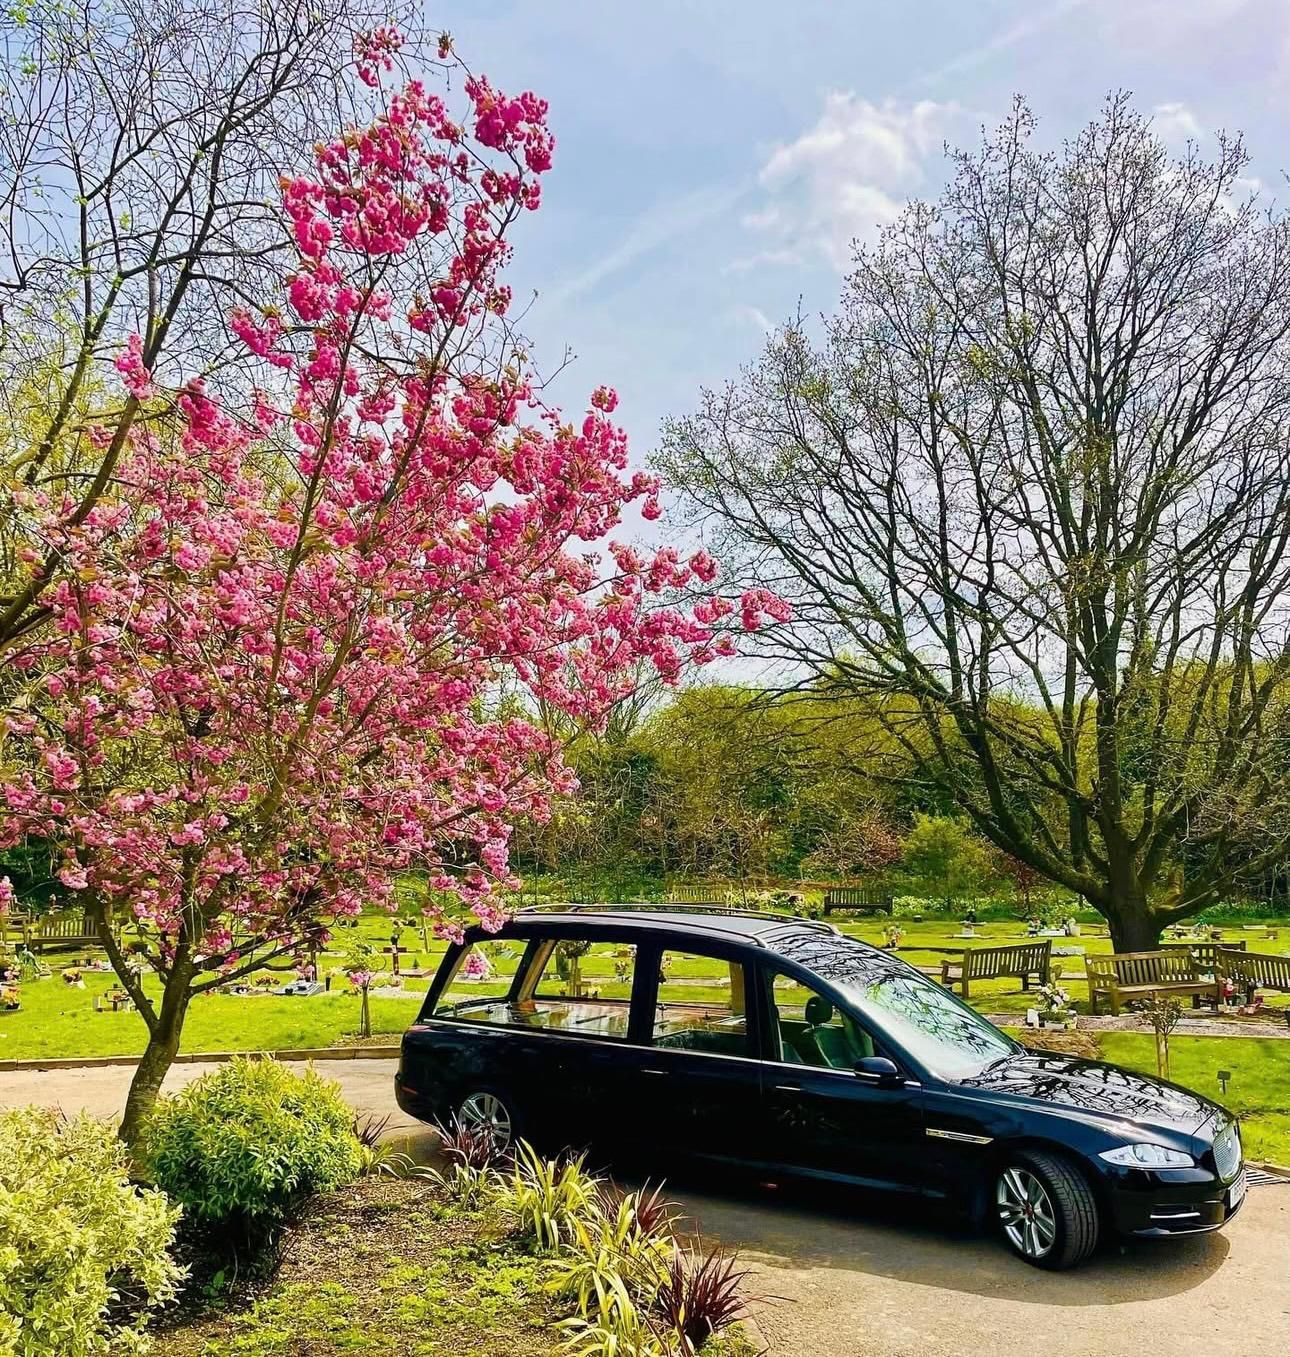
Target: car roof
column 747, row 926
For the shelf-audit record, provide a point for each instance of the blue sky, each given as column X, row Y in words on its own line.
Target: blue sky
column 714, row 159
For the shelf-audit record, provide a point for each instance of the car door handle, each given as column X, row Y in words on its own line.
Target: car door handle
column 788, row 1088
column 653, row 1071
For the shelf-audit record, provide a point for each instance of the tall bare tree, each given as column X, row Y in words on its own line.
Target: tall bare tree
column 1029, row 494
column 141, row 142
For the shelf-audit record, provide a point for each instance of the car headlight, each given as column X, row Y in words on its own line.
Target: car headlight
column 1148, row 1157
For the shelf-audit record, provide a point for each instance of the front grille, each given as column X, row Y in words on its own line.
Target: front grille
column 1227, row 1151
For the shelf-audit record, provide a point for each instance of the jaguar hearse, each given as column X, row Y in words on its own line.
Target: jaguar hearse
column 782, row 1046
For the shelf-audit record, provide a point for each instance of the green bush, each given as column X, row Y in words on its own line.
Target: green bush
column 83, row 1253
column 248, row 1140
column 549, row 1196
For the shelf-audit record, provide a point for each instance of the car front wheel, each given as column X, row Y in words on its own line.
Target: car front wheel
column 1046, row 1210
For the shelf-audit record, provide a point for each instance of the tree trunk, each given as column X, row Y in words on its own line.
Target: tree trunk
column 158, row 1056
column 1132, row 927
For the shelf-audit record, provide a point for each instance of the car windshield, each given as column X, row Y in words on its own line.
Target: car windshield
column 936, row 1029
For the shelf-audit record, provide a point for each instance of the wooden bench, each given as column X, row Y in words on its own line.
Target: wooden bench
column 1123, row 977
column 698, row 895
column 1254, row 970
column 48, row 931
column 1023, row 960
column 859, row 898
column 1205, row 953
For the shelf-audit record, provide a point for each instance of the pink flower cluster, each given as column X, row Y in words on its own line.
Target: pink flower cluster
column 129, row 363
column 271, row 677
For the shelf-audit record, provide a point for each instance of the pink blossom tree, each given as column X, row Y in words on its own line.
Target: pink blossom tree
column 284, row 647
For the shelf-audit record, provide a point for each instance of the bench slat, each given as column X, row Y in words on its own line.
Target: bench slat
column 1255, row 970
column 1022, row 960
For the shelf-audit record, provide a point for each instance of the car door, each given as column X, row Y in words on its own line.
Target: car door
column 822, row 1118
column 575, row 997
column 695, row 1081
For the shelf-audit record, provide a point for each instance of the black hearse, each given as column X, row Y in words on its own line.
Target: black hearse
column 782, row 1046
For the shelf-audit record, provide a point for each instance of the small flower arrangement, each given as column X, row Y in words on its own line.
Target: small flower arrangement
column 892, row 936
column 360, row 979
column 476, row 966
column 10, row 998
column 1055, row 1001
column 73, row 975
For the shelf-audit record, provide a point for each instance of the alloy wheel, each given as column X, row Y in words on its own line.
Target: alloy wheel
column 1026, row 1212
column 487, row 1112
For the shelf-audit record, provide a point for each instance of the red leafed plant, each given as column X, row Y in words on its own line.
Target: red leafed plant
column 701, row 1293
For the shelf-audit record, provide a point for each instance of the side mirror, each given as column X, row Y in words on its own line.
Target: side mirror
column 877, row 1069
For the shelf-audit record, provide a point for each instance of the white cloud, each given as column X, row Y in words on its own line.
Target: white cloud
column 1175, row 123
column 846, row 177
column 754, row 315
column 659, row 226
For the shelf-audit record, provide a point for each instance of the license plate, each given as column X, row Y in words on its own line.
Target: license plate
column 1236, row 1193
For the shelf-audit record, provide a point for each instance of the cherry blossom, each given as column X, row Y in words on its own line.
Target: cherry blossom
column 300, row 647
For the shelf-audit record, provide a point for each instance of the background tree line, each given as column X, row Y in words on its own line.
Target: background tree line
column 730, row 783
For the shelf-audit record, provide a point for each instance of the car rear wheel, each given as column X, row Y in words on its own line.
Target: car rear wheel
column 1046, row 1210
column 487, row 1111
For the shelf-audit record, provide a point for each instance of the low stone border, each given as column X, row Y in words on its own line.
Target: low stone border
column 215, row 1057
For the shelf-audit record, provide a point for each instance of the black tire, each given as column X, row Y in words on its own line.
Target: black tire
column 490, row 1105
column 1061, row 1227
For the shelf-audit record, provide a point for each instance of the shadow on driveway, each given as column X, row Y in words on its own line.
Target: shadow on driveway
column 916, row 1243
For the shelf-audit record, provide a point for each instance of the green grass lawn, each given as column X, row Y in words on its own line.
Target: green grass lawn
column 58, row 1020
column 1258, row 1091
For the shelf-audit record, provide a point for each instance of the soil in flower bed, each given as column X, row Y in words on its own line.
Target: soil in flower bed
column 383, row 1266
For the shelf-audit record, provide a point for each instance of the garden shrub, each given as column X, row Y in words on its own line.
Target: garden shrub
column 84, row 1254
column 249, row 1140
column 549, row 1196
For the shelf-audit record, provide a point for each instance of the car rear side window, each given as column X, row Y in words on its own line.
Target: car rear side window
column 571, row 984
column 701, row 1004
column 481, row 981
column 579, row 985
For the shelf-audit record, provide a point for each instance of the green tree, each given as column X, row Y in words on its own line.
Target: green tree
column 945, row 855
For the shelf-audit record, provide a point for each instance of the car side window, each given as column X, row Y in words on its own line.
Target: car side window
column 571, row 985
column 808, row 1028
column 481, row 980
column 701, row 1004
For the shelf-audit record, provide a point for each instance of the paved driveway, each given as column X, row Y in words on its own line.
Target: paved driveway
column 852, row 1281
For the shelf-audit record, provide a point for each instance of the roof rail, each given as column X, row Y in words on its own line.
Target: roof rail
column 643, row 907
